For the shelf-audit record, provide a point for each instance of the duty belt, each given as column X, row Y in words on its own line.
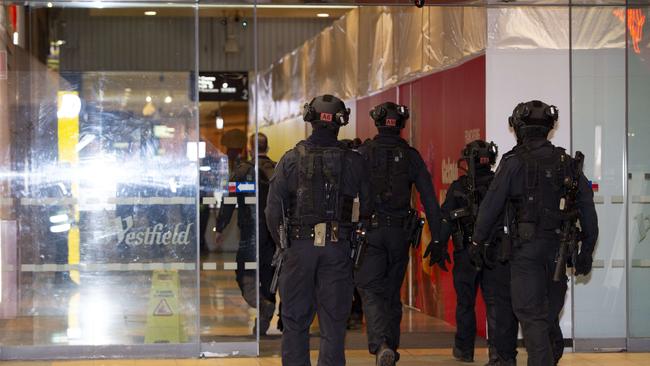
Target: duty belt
column 387, row 221
column 306, row 232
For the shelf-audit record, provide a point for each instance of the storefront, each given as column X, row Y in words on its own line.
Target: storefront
column 119, row 121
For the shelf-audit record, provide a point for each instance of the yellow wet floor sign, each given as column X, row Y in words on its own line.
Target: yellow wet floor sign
column 164, row 324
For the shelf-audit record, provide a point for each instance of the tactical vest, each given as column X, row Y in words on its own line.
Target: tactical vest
column 319, row 196
column 465, row 224
column 390, row 186
column 537, row 210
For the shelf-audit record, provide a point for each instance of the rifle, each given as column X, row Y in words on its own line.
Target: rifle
column 413, row 228
column 278, row 258
column 570, row 233
column 359, row 243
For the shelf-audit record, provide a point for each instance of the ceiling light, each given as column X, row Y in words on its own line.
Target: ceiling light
column 224, row 85
column 148, row 99
column 219, row 123
column 323, row 15
column 16, row 39
column 49, row 5
column 168, row 99
column 150, row 13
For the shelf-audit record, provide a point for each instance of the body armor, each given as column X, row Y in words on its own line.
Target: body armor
column 465, row 217
column 390, row 186
column 319, row 197
column 539, row 212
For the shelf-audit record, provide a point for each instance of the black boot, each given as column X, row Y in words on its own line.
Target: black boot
column 385, row 356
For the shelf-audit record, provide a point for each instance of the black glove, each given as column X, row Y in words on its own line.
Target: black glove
column 437, row 255
column 583, row 263
column 475, row 251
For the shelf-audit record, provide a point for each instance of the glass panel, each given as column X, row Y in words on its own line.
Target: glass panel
column 598, row 130
column 638, row 110
column 229, row 291
column 99, row 176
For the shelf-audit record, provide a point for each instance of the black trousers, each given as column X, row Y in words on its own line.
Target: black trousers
column 538, row 301
column 503, row 334
column 466, row 283
column 315, row 280
column 247, row 279
column 379, row 281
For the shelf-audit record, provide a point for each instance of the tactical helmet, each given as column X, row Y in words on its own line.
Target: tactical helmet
column 482, row 152
column 390, row 115
column 533, row 114
column 326, row 110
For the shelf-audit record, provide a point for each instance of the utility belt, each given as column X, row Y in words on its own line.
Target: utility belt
column 378, row 221
column 333, row 231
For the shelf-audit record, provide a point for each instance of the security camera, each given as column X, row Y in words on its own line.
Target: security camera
column 419, row 3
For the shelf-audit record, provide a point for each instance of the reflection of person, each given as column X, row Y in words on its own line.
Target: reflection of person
column 210, row 182
column 459, row 214
column 394, row 168
column 247, row 279
column 534, row 187
column 317, row 182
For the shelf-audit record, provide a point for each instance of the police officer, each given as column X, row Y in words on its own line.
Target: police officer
column 538, row 188
column 394, row 168
column 247, row 279
column 316, row 183
column 459, row 214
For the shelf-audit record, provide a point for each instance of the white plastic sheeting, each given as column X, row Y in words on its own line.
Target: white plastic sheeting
column 369, row 50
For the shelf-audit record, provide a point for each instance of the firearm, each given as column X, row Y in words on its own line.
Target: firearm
column 413, row 228
column 278, row 258
column 359, row 243
column 570, row 233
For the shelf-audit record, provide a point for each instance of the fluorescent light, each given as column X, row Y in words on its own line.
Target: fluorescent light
column 150, row 13
column 323, row 15
column 219, row 123
column 205, row 168
column 57, row 219
column 60, row 228
column 16, row 39
column 168, row 99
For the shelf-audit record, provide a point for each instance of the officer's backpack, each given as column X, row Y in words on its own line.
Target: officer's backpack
column 319, row 197
column 538, row 210
column 390, row 182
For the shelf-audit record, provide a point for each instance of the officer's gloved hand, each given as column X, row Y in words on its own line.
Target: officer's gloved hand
column 437, row 254
column 475, row 251
column 583, row 263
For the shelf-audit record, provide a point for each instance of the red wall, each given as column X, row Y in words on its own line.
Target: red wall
column 447, row 112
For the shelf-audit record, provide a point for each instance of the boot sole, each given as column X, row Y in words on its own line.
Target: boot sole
column 386, row 358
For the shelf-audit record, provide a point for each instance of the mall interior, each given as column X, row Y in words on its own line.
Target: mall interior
column 122, row 121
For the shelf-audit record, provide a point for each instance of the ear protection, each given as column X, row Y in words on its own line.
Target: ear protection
column 379, row 115
column 340, row 118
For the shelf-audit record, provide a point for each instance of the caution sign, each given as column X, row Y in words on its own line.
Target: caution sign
column 164, row 323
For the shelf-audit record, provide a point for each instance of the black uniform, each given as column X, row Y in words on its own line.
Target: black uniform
column 529, row 182
column 493, row 281
column 394, row 168
column 246, row 279
column 317, row 182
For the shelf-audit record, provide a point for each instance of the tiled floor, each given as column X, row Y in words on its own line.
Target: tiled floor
column 410, row 357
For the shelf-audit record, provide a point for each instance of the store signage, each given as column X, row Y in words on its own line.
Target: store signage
column 3, row 65
column 223, row 86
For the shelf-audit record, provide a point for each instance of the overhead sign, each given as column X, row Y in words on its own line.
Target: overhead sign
column 3, row 65
column 223, row 86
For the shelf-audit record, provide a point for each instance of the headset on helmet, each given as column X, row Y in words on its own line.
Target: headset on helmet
column 482, row 152
column 533, row 113
column 390, row 115
column 337, row 113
